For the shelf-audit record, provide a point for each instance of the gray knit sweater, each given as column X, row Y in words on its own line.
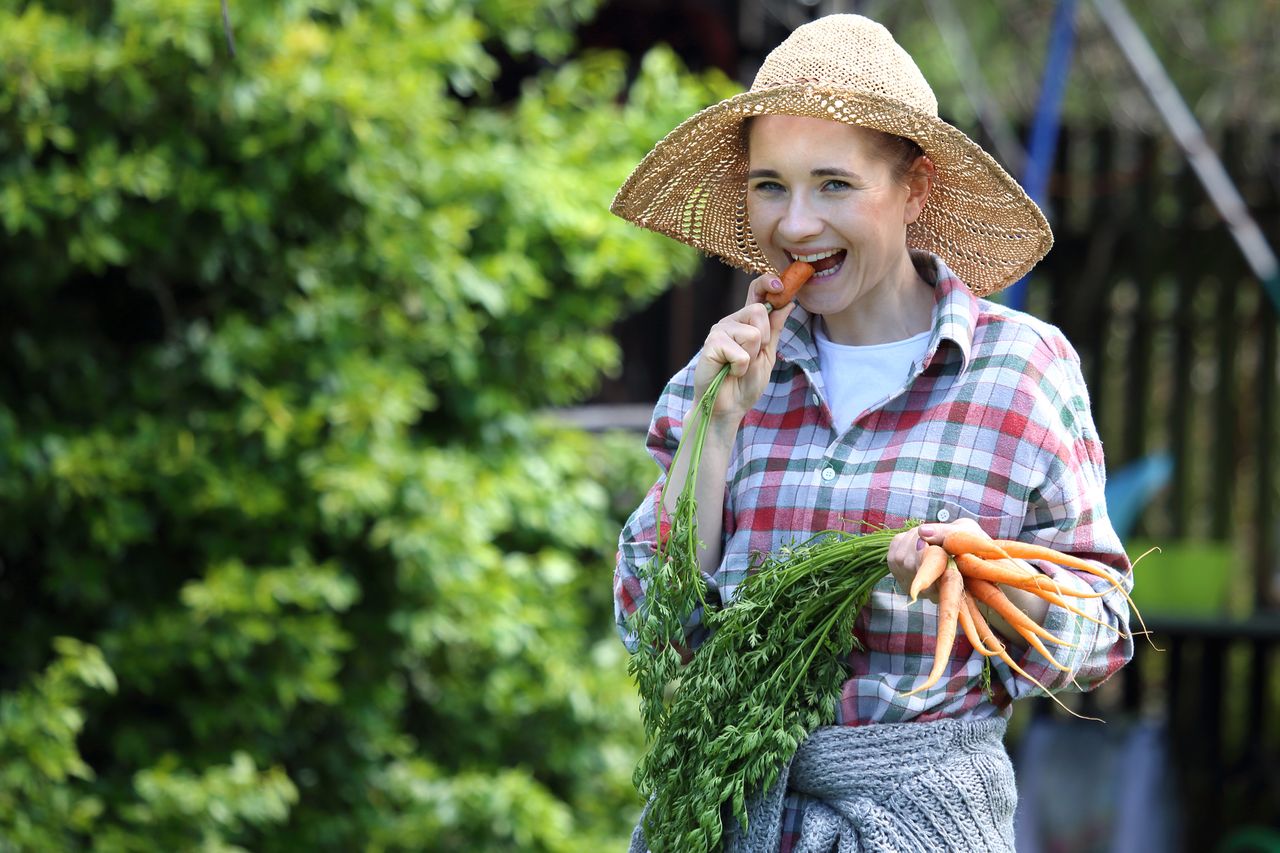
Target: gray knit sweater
column 928, row 787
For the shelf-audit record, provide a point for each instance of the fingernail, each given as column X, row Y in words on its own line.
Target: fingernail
column 775, row 284
column 927, row 529
column 920, row 544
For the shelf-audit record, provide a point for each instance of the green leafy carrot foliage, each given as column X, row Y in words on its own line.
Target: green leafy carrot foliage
column 673, row 584
column 721, row 727
column 769, row 674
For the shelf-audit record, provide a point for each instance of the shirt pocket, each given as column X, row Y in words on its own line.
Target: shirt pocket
column 883, row 507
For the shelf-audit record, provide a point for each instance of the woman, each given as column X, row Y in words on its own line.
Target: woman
column 892, row 391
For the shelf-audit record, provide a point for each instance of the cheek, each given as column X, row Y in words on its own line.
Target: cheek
column 757, row 215
column 762, row 219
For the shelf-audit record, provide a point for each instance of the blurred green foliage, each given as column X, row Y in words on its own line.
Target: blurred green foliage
column 288, row 558
column 1220, row 56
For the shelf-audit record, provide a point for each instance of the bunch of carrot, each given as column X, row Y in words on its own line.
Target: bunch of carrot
column 969, row 568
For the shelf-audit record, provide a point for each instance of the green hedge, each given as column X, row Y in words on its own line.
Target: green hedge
column 288, row 561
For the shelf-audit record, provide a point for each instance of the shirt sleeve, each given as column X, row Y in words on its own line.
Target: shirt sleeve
column 638, row 541
column 1069, row 515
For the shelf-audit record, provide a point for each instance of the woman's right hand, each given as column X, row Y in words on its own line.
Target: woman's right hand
column 746, row 340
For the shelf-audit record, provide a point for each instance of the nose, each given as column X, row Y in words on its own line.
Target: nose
column 800, row 221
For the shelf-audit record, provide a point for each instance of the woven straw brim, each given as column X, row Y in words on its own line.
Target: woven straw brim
column 692, row 186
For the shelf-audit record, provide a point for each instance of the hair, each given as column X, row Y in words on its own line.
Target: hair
column 897, row 151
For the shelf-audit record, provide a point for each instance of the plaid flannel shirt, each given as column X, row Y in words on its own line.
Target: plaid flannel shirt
column 994, row 424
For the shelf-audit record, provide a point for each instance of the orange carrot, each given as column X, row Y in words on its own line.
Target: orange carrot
column 1038, row 583
column 970, row 627
column 1028, row 551
column 1013, row 574
column 793, row 278
column 1055, row 599
column 973, row 566
column 990, row 595
column 933, row 562
column 950, row 592
column 959, row 542
column 985, row 633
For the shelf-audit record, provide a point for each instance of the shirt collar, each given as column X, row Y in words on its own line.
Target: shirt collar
column 955, row 318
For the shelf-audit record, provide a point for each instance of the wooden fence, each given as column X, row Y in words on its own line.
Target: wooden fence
column 1178, row 339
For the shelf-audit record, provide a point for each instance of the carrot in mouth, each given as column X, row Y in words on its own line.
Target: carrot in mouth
column 793, row 278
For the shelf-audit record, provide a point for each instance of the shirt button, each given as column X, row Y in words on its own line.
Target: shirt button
column 828, row 473
column 944, row 515
column 817, row 401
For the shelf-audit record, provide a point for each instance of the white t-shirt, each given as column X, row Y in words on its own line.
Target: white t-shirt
column 859, row 377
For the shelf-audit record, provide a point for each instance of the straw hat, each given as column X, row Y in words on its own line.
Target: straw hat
column 692, row 185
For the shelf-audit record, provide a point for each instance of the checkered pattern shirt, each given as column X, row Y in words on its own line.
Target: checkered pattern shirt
column 993, row 424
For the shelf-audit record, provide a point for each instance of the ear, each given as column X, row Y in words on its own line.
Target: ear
column 919, row 180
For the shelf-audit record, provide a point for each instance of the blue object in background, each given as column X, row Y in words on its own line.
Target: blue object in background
column 1131, row 488
column 1043, row 146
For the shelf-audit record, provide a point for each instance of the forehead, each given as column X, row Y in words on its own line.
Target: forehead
column 773, row 137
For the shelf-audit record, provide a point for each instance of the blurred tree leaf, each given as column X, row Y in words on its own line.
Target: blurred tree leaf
column 276, row 332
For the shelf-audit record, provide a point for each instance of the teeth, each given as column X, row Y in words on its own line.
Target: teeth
column 808, row 259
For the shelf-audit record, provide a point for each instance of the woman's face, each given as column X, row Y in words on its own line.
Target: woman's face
column 818, row 191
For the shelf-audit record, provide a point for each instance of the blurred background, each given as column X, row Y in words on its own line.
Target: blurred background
column 323, row 371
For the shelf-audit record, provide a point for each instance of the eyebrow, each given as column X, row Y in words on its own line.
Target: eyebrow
column 824, row 172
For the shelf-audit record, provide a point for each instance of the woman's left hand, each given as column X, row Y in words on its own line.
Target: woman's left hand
column 905, row 550
column 904, row 559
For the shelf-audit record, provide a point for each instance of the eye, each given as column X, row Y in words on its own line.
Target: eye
column 767, row 187
column 836, row 185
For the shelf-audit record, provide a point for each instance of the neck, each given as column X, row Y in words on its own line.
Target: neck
column 900, row 306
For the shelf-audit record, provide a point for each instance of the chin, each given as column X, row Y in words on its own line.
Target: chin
column 817, row 306
column 824, row 300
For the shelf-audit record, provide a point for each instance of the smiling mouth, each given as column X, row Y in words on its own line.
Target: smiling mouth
column 825, row 264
